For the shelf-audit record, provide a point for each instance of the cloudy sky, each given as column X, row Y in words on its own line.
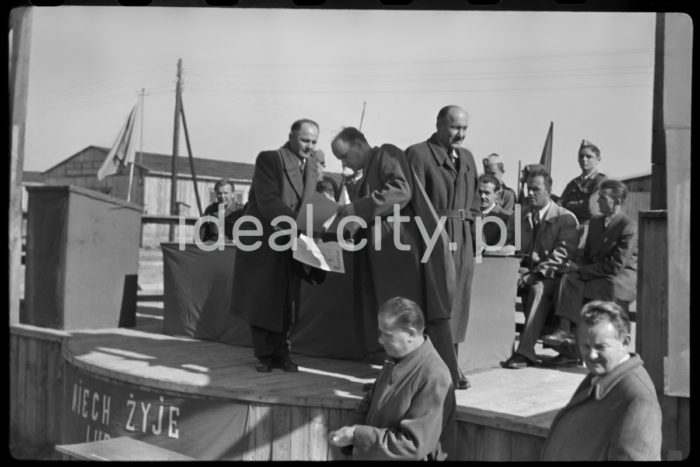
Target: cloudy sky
column 248, row 73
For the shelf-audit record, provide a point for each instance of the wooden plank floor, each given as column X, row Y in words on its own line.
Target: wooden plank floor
column 516, row 400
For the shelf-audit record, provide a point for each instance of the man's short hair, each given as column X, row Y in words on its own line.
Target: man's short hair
column 618, row 190
column 222, row 182
column 351, row 135
column 489, row 178
column 296, row 126
column 585, row 144
column 596, row 311
column 541, row 172
column 403, row 313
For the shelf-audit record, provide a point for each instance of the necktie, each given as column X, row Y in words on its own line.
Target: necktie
column 536, row 222
column 455, row 158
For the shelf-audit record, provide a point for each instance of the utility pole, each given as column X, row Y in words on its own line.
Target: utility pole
column 141, row 98
column 176, row 143
column 20, row 36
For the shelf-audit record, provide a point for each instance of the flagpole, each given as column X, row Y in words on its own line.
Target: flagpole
column 131, row 170
column 362, row 117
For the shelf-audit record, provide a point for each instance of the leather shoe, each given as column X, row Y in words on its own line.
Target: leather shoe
column 287, row 365
column 264, row 365
column 462, row 383
column 561, row 360
column 557, row 338
column 518, row 362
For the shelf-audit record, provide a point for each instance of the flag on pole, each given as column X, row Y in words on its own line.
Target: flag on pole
column 123, row 150
column 546, row 158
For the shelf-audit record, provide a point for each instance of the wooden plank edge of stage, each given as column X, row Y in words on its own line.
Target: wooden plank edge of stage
column 339, row 388
column 342, row 392
column 485, row 430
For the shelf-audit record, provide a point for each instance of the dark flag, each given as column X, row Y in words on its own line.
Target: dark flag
column 546, row 158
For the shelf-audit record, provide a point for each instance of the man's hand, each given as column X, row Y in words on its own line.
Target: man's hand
column 526, row 278
column 342, row 436
column 573, row 267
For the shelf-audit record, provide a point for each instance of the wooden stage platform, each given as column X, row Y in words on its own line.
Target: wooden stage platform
column 226, row 410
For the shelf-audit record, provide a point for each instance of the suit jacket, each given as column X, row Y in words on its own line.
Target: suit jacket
column 555, row 244
column 490, row 231
column 262, row 276
column 618, row 418
column 452, row 188
column 210, row 231
column 506, row 198
column 579, row 196
column 609, row 262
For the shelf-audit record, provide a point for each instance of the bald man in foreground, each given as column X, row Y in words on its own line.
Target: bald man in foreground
column 448, row 174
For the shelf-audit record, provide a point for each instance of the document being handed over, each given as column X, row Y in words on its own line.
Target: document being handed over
column 316, row 218
column 319, row 254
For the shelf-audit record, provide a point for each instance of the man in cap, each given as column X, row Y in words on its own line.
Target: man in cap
column 580, row 194
column 506, row 196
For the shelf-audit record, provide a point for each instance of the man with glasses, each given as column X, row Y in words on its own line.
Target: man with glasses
column 389, row 247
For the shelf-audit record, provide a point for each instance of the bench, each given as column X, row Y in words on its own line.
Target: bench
column 123, row 448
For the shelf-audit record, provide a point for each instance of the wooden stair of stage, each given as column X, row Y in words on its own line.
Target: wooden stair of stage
column 122, row 448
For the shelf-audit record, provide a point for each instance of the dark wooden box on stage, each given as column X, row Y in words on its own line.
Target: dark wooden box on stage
column 82, row 258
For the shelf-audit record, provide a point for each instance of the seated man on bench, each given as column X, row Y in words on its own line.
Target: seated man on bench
column 549, row 237
column 607, row 270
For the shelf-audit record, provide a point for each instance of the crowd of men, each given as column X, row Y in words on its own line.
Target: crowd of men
column 578, row 249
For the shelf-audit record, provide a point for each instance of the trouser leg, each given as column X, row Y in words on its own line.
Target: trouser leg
column 441, row 336
column 538, row 307
column 275, row 345
column 570, row 299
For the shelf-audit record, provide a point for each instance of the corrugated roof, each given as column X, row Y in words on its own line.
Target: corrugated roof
column 155, row 162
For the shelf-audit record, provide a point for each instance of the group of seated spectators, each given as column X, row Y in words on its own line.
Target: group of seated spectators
column 580, row 248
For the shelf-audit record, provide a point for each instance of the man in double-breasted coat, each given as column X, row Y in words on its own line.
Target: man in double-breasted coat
column 266, row 282
column 448, row 174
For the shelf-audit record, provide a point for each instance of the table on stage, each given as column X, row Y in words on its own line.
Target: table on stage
column 197, row 303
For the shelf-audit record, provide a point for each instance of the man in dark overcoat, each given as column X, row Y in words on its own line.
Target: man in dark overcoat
column 448, row 174
column 266, row 282
column 389, row 260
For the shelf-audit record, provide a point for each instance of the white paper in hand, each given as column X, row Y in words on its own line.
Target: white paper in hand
column 327, row 256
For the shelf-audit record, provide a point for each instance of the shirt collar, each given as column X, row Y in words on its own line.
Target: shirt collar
column 543, row 212
column 600, row 386
column 593, row 173
column 488, row 210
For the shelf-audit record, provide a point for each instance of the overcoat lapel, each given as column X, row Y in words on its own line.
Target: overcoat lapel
column 290, row 163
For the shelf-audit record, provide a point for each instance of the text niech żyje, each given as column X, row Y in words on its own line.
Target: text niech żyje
column 286, row 234
column 139, row 416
